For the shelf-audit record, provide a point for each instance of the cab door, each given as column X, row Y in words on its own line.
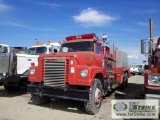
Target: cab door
column 100, row 58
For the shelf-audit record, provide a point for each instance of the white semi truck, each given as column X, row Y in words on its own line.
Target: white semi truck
column 14, row 65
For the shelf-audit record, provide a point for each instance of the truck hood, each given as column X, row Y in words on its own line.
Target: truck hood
column 24, row 62
column 26, row 55
column 81, row 57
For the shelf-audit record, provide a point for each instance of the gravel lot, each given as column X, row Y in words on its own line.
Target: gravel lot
column 17, row 105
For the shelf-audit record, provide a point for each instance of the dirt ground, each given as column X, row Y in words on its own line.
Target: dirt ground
column 17, row 105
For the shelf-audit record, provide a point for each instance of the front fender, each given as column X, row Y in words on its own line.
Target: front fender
column 34, row 77
column 88, row 80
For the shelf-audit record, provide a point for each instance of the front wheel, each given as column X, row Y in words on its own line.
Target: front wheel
column 95, row 98
column 39, row 100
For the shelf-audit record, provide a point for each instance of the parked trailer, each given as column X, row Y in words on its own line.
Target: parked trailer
column 84, row 70
column 8, row 58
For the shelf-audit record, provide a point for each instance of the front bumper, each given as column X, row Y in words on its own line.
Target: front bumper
column 152, row 93
column 152, row 96
column 70, row 94
column 13, row 80
column 1, row 80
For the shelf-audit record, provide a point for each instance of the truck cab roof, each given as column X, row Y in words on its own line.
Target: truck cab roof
column 4, row 45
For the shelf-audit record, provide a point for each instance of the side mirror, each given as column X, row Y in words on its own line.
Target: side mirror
column 150, row 47
column 143, row 47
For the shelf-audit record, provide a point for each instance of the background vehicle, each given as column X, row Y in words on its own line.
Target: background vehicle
column 14, row 66
column 152, row 70
column 134, row 69
column 141, row 69
column 8, row 60
column 84, row 70
column 32, row 55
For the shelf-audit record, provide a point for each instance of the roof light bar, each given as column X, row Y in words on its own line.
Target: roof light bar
column 83, row 36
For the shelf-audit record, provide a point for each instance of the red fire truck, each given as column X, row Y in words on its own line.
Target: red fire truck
column 84, row 69
column 152, row 69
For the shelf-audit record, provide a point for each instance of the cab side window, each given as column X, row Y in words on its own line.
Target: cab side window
column 5, row 50
column 50, row 49
column 98, row 49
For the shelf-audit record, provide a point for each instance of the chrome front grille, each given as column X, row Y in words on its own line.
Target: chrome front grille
column 54, row 73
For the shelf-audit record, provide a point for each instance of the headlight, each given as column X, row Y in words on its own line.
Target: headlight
column 4, row 73
column 84, row 73
column 32, row 71
column 154, row 80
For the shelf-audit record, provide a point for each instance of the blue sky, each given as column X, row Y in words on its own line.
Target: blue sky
column 124, row 21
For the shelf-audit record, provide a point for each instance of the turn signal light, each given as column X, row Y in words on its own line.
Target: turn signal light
column 36, row 42
column 32, row 64
column 89, row 63
column 84, row 36
column 154, row 70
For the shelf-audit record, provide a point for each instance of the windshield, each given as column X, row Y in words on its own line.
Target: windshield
column 84, row 46
column 3, row 49
column 37, row 50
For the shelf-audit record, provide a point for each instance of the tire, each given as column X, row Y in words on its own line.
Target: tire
column 95, row 98
column 12, row 88
column 38, row 100
column 125, row 82
column 123, row 85
column 133, row 73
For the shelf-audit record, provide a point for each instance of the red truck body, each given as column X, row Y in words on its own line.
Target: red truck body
column 152, row 72
column 83, row 70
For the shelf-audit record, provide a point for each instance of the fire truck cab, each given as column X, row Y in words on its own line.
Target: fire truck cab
column 84, row 69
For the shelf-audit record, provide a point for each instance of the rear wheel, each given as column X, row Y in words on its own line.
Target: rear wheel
column 125, row 82
column 95, row 98
column 39, row 100
column 133, row 73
